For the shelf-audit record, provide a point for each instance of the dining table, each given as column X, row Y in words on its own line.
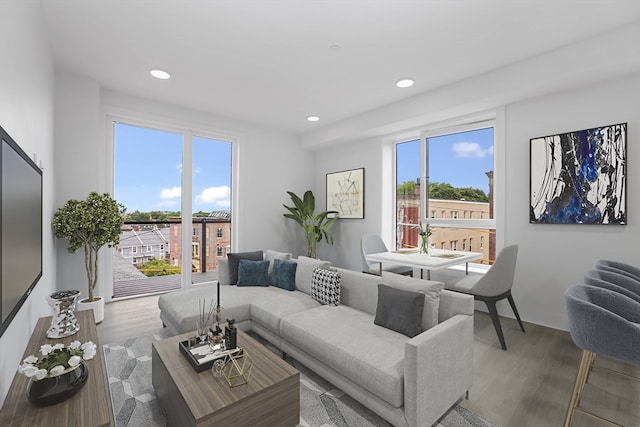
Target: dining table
column 435, row 259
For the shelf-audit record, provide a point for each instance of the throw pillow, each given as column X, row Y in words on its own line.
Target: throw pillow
column 325, row 286
column 234, row 260
column 273, row 255
column 305, row 271
column 284, row 274
column 431, row 290
column 399, row 310
column 253, row 273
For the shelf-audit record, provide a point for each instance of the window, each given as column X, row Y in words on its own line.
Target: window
column 219, row 232
column 470, row 244
column 219, row 251
column 152, row 166
column 134, row 250
column 451, row 172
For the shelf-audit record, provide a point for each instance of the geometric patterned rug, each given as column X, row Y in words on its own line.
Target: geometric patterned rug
column 134, row 401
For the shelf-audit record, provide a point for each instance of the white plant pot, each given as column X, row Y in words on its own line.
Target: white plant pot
column 97, row 306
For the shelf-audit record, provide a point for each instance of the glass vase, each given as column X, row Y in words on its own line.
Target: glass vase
column 424, row 245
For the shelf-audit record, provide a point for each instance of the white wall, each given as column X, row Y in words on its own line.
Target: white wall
column 26, row 113
column 551, row 258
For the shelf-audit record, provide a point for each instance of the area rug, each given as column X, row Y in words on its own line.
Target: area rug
column 321, row 404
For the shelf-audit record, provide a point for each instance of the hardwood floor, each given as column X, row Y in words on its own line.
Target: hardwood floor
column 528, row 385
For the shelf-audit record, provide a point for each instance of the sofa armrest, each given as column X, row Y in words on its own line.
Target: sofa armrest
column 223, row 271
column 438, row 369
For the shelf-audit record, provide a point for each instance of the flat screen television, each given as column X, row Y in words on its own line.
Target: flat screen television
column 20, row 228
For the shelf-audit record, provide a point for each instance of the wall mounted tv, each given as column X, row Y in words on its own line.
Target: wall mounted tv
column 20, row 228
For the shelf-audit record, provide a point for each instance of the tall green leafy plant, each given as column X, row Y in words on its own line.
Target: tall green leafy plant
column 314, row 225
column 90, row 224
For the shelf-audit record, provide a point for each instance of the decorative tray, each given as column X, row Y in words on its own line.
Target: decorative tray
column 201, row 357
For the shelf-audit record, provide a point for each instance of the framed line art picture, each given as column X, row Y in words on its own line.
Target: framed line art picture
column 579, row 177
column 345, row 193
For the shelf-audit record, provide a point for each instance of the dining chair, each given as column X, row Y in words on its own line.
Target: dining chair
column 619, row 267
column 495, row 285
column 601, row 322
column 615, row 282
column 371, row 244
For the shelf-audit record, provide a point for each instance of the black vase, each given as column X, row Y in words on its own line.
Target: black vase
column 49, row 391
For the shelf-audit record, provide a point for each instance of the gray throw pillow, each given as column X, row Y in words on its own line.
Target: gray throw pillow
column 234, row 260
column 399, row 310
column 431, row 290
column 253, row 273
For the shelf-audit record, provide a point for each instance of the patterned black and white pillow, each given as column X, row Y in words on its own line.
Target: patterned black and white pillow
column 325, row 286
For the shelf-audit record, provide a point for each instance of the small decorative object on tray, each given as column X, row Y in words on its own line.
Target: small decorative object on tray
column 237, row 368
column 202, row 356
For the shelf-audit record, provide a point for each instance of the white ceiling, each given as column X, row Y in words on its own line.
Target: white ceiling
column 274, row 62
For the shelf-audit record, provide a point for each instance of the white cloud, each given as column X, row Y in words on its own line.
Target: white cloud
column 170, row 193
column 220, row 196
column 471, row 149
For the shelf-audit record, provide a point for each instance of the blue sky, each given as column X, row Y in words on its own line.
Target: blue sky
column 460, row 159
column 148, row 171
column 148, row 167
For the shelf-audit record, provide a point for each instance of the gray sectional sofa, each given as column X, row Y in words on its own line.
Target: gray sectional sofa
column 406, row 380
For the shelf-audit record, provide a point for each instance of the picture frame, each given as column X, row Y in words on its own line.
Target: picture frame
column 345, row 193
column 579, row 177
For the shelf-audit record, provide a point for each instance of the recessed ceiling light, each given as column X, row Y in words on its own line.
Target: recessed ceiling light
column 160, row 74
column 404, row 83
column 313, row 118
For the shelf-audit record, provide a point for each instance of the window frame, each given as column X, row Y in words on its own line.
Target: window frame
column 445, row 222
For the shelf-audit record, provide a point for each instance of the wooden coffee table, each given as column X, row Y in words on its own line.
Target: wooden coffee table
column 271, row 397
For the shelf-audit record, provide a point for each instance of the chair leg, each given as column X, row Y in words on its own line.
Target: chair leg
column 581, row 379
column 515, row 311
column 493, row 312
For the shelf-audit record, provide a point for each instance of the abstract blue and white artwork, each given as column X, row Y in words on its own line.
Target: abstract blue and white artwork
column 579, row 177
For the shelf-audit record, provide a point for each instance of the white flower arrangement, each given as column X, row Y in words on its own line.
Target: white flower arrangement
column 57, row 359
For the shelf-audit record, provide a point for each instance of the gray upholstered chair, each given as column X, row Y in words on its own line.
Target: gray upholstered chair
column 619, row 267
column 601, row 322
column 371, row 244
column 494, row 286
column 616, row 282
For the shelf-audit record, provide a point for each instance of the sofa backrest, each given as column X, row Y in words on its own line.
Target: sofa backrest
column 360, row 291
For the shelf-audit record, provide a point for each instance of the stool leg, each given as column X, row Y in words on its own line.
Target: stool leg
column 586, row 360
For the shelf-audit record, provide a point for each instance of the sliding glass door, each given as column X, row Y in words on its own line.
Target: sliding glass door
column 176, row 187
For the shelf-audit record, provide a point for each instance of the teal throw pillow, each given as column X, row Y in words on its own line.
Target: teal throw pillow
column 234, row 261
column 253, row 273
column 284, row 274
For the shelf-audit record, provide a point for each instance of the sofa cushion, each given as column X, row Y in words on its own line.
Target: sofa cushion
column 273, row 255
column 430, row 289
column 304, row 272
column 234, row 260
column 284, row 274
column 399, row 310
column 348, row 341
column 180, row 308
column 274, row 304
column 325, row 286
column 253, row 273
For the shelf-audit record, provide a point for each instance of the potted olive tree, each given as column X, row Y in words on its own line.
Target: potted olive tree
column 90, row 224
column 313, row 225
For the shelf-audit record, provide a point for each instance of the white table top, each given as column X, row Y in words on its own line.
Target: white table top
column 437, row 258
